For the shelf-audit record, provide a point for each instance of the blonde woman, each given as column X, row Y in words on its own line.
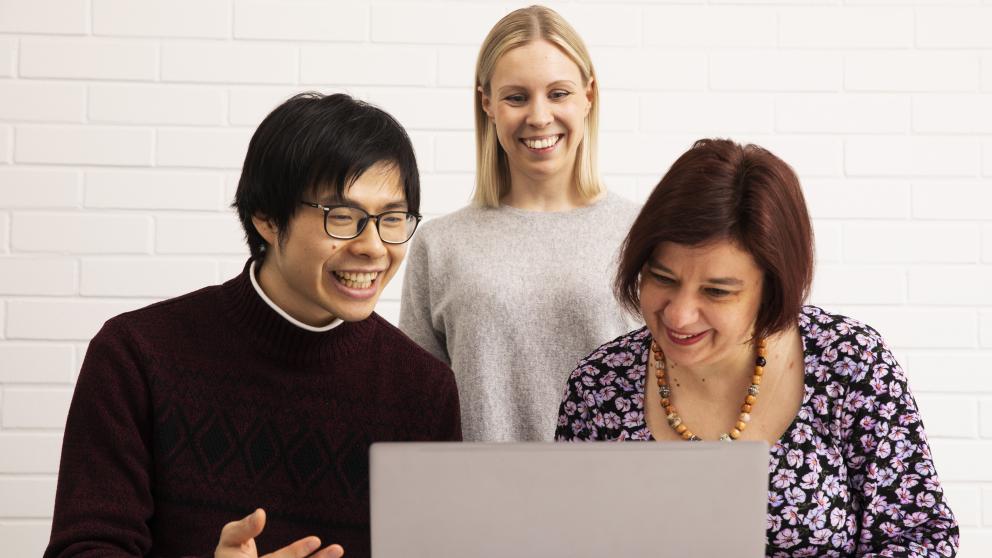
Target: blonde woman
column 514, row 289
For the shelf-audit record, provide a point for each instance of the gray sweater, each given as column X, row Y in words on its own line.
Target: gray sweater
column 512, row 299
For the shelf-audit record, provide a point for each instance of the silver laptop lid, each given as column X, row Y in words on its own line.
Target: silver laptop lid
column 573, row 500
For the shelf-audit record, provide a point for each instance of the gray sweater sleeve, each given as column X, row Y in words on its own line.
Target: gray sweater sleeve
column 415, row 305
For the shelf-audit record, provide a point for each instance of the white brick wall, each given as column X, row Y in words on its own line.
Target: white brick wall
column 301, row 21
column 156, row 104
column 123, row 125
column 88, row 59
column 163, row 18
column 8, row 55
column 82, row 145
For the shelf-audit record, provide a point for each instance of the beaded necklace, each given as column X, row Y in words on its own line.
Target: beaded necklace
column 675, row 421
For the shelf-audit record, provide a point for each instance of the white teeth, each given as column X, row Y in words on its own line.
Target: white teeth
column 543, row 143
column 356, row 280
column 677, row 336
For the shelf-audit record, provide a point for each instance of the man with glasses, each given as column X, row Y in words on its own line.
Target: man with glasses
column 266, row 391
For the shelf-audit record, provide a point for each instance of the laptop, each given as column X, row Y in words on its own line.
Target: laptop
column 569, row 500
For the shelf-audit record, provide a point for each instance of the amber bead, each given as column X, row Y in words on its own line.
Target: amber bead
column 750, row 399
column 756, row 380
column 740, row 425
column 681, row 429
column 686, row 435
column 665, row 403
column 746, row 408
column 735, row 434
column 762, row 351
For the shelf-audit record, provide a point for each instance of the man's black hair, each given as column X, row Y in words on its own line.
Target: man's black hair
column 313, row 144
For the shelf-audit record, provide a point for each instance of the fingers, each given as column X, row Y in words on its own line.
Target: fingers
column 304, row 547
column 239, row 532
column 333, row 551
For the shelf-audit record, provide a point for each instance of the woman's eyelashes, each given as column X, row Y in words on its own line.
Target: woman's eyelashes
column 520, row 98
column 712, row 292
column 717, row 293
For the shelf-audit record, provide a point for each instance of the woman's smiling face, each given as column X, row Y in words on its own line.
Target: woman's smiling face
column 701, row 302
column 538, row 102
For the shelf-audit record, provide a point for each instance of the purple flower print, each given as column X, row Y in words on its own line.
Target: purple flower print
column 852, row 474
column 787, row 538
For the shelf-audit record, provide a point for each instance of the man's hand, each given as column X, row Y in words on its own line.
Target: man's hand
column 237, row 540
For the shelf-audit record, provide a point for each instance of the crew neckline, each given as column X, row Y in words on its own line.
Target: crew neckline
column 607, row 195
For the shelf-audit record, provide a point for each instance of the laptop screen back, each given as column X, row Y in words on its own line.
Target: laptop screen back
column 574, row 500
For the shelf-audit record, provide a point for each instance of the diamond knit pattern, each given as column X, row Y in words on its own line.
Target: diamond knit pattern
column 193, row 412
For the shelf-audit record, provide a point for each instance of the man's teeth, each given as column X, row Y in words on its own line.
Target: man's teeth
column 356, row 280
column 541, row 143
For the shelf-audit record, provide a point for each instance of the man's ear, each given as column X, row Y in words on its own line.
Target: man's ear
column 266, row 227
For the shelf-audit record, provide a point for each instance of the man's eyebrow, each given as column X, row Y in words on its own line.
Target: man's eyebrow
column 401, row 205
column 398, row 205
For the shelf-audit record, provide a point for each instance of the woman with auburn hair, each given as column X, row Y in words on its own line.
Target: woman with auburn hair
column 718, row 263
column 513, row 289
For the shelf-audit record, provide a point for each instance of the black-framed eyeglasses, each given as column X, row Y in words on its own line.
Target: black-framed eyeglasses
column 345, row 222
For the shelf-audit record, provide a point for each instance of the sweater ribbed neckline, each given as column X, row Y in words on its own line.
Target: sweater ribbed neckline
column 273, row 335
column 603, row 201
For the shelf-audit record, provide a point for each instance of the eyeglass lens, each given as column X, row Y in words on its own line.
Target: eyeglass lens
column 349, row 222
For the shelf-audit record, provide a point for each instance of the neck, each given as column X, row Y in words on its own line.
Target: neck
column 543, row 194
column 718, row 379
column 276, row 293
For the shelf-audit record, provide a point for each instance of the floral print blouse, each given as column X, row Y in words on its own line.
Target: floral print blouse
column 851, row 476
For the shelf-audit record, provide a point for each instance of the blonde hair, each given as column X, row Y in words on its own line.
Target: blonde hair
column 516, row 29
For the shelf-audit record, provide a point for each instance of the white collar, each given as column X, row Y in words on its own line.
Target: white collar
column 283, row 313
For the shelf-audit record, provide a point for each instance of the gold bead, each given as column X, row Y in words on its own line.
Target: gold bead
column 756, row 379
column 735, row 433
column 759, row 370
column 681, row 429
column 750, row 399
column 740, row 425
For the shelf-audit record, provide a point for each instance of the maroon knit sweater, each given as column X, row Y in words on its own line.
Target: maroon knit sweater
column 193, row 412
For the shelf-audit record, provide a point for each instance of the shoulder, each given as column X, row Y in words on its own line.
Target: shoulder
column 620, row 206
column 846, row 345
column 402, row 350
column 621, row 353
column 454, row 221
column 167, row 313
column 434, row 235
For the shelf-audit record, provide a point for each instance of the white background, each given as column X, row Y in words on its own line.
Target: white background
column 123, row 125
